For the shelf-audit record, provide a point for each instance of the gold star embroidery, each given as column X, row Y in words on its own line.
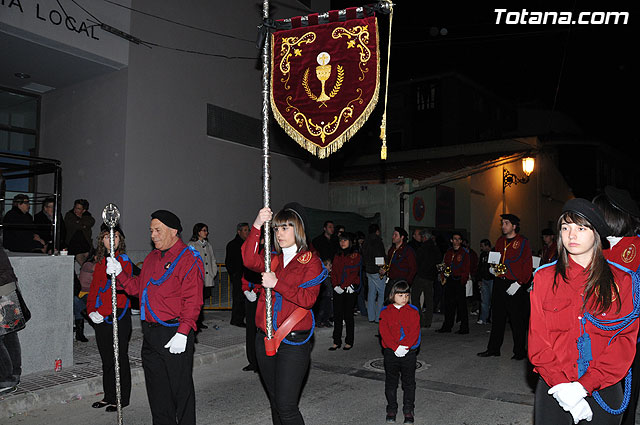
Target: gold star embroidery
column 298, row 52
column 351, row 44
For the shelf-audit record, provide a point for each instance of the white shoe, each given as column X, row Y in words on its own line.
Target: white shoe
column 481, row 322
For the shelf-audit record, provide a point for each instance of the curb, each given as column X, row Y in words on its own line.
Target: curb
column 65, row 393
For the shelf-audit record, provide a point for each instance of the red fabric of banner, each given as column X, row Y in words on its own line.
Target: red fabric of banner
column 325, row 81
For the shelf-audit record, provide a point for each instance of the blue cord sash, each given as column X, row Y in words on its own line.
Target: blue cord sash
column 618, row 325
column 144, row 299
column 107, row 287
column 277, row 305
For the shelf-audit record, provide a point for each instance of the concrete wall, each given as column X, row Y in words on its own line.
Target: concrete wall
column 46, row 283
column 137, row 137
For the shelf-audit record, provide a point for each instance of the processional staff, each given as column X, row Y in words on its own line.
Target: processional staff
column 111, row 217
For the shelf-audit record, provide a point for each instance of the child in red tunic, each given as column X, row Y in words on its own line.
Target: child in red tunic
column 400, row 337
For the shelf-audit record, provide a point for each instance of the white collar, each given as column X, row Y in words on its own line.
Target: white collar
column 288, row 254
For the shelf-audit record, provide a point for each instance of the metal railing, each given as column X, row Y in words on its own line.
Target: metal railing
column 220, row 298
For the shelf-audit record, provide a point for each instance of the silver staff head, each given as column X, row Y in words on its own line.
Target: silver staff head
column 111, row 215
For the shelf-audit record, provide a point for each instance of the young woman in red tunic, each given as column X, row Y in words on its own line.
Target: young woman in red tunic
column 582, row 330
column 346, row 279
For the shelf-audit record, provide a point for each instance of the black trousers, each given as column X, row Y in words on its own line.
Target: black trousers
column 516, row 309
column 10, row 360
column 396, row 369
column 283, row 376
column 237, row 301
column 104, row 340
column 168, row 377
column 548, row 411
column 629, row 415
column 250, row 331
column 455, row 300
column 343, row 310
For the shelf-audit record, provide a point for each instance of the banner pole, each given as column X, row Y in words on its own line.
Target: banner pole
column 266, row 168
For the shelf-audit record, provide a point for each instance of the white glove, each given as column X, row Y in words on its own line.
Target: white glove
column 251, row 296
column 492, row 270
column 581, row 411
column 513, row 288
column 401, row 351
column 350, row 289
column 96, row 317
column 113, row 266
column 177, row 344
column 568, row 394
column 338, row 290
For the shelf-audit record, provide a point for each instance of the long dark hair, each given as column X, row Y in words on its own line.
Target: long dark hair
column 196, row 229
column 621, row 223
column 600, row 290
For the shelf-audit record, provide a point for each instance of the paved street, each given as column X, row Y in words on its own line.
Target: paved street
column 344, row 387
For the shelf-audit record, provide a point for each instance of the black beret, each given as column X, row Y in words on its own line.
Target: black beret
column 622, row 200
column 591, row 212
column 168, row 218
column 299, row 210
column 511, row 217
column 105, row 228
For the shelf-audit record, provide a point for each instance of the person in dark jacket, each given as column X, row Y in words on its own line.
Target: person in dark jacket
column 485, row 282
column 10, row 355
column 427, row 257
column 44, row 224
column 18, row 229
column 236, row 269
column 373, row 257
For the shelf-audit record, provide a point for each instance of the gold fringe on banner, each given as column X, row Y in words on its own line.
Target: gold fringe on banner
column 324, row 151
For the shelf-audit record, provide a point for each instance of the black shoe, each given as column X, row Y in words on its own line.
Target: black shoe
column 80, row 331
column 489, row 354
column 203, row 326
column 249, row 367
column 8, row 390
column 461, row 332
column 334, row 347
column 391, row 418
column 114, row 408
column 443, row 331
column 408, row 418
column 518, row 357
column 240, row 325
column 100, row 404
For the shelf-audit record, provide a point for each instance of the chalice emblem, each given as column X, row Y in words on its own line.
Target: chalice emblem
column 323, row 72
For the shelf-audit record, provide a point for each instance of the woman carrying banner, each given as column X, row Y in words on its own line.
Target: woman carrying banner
column 585, row 300
column 294, row 279
column 99, row 309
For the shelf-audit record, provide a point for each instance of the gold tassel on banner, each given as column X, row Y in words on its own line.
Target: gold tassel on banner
column 383, row 126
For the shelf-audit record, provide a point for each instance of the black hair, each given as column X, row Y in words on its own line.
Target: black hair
column 621, row 223
column 486, row 242
column 196, row 229
column 373, row 228
column 400, row 287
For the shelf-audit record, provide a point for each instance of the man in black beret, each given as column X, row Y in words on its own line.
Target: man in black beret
column 510, row 299
column 170, row 291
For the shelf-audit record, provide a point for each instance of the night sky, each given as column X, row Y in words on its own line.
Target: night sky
column 589, row 72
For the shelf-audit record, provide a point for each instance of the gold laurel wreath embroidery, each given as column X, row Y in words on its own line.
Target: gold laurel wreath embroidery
column 336, row 86
column 288, row 43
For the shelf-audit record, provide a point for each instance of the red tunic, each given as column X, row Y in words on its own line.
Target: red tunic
column 402, row 263
column 625, row 253
column 304, row 267
column 180, row 296
column 517, row 257
column 396, row 321
column 460, row 263
column 549, row 253
column 99, row 282
column 555, row 326
column 345, row 270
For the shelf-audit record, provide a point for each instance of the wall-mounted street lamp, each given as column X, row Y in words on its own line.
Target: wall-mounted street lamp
column 528, row 164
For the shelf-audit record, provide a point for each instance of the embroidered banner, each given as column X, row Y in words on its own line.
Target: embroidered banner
column 325, row 81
